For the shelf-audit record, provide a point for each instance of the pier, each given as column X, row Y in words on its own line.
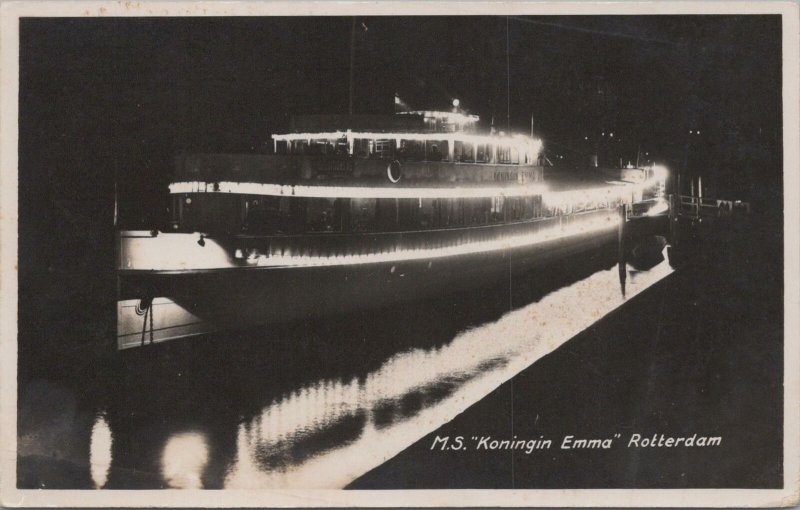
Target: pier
column 695, row 354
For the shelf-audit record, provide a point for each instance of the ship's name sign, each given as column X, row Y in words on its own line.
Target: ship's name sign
column 336, row 167
column 506, row 175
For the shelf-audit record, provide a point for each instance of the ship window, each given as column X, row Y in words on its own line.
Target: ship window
column 513, row 209
column 483, row 153
column 503, row 154
column 340, row 146
column 527, row 208
column 436, row 151
column 531, row 207
column 300, row 147
column 537, row 206
column 321, row 147
column 383, row 148
column 413, row 150
column 341, row 214
column 362, row 213
column 477, row 210
column 428, row 213
column 386, row 213
column 320, row 215
column 496, row 212
column 267, row 214
column 464, row 152
column 444, row 148
column 408, row 213
column 451, row 211
column 361, row 147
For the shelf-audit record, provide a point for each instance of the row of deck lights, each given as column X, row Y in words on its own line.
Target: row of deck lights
column 398, row 254
column 249, row 188
column 524, row 145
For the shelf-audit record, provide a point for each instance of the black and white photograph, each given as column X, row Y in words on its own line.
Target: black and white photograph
column 399, row 254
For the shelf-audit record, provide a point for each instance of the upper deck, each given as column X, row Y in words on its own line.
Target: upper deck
column 412, row 136
column 407, row 150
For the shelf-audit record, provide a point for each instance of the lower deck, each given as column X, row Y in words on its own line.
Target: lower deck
column 153, row 251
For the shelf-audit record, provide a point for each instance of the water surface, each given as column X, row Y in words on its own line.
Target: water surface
column 312, row 405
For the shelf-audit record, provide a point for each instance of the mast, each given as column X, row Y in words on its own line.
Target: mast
column 508, row 79
column 116, row 200
column 352, row 63
column 116, row 193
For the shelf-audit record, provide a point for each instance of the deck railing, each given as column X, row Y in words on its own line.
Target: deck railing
column 700, row 207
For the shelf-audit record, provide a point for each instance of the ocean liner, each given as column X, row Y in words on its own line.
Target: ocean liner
column 360, row 211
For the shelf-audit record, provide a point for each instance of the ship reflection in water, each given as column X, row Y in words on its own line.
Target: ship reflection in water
column 413, row 393
column 324, row 431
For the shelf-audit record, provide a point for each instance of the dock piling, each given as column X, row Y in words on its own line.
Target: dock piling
column 623, row 218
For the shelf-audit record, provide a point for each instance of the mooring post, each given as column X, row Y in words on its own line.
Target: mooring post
column 673, row 219
column 623, row 218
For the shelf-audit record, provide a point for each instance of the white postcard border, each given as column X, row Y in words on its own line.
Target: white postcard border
column 9, row 74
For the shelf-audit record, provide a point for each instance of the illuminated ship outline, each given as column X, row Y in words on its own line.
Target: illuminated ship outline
column 443, row 207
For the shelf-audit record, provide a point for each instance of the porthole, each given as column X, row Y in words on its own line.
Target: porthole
column 394, row 171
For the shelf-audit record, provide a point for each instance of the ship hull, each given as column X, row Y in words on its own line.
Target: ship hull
column 158, row 305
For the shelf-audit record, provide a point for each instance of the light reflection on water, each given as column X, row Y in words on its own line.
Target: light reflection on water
column 100, row 451
column 324, row 431
column 413, row 393
column 184, row 459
